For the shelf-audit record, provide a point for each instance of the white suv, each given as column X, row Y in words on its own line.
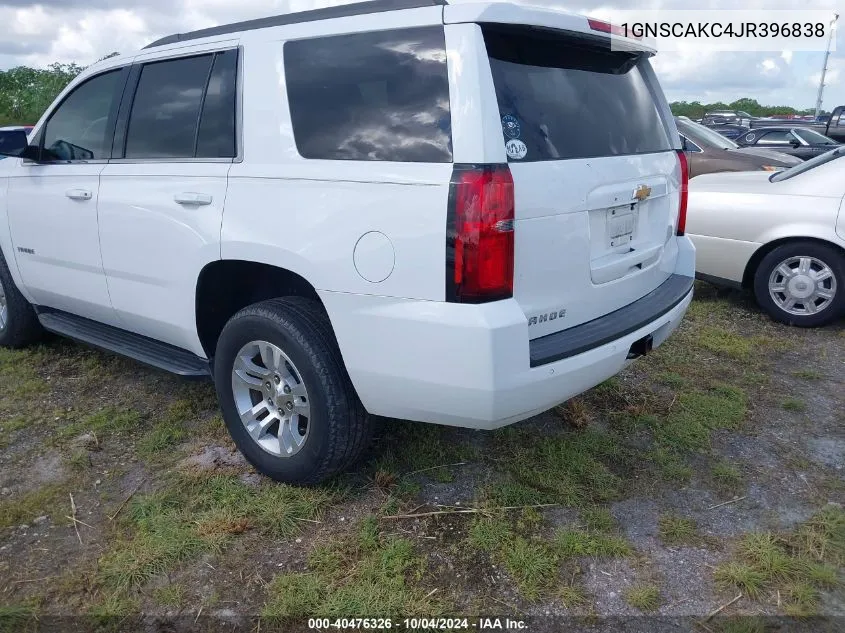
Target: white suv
column 458, row 214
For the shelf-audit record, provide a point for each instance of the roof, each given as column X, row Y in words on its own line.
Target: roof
column 342, row 11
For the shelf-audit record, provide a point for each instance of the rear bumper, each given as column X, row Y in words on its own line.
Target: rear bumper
column 611, row 327
column 471, row 365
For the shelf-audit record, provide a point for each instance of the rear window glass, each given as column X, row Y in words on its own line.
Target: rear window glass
column 381, row 95
column 560, row 98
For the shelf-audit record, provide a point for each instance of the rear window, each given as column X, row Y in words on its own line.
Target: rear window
column 562, row 98
column 382, row 95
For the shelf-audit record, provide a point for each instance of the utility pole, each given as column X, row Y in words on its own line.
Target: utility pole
column 824, row 67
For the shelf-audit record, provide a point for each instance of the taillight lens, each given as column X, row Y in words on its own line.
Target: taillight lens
column 480, row 234
column 684, row 192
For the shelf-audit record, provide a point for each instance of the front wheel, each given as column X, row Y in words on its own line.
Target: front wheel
column 802, row 283
column 287, row 400
column 19, row 325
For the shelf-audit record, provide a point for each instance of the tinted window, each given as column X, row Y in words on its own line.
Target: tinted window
column 165, row 113
column 704, row 136
column 217, row 126
column 811, row 136
column 79, row 129
column 775, row 138
column 562, row 99
column 371, row 96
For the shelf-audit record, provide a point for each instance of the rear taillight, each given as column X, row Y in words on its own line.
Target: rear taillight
column 480, row 234
column 684, row 192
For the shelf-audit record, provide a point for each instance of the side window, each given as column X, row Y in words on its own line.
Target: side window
column 381, row 95
column 776, row 138
column 165, row 113
column 216, row 138
column 79, row 128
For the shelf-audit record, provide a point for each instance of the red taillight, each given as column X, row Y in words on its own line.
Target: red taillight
column 480, row 244
column 684, row 192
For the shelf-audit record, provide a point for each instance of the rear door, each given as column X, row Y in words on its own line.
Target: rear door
column 589, row 141
column 162, row 196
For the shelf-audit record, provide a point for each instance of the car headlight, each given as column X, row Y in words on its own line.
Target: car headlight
column 770, row 168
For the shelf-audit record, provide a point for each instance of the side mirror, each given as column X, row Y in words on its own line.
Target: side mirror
column 795, row 143
column 684, row 143
column 14, row 144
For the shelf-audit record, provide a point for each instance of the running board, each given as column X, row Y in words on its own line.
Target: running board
column 111, row 339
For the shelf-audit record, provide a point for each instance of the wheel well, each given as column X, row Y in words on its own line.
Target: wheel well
column 227, row 286
column 760, row 253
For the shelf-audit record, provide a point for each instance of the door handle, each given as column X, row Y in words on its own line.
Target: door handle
column 193, row 199
column 78, row 194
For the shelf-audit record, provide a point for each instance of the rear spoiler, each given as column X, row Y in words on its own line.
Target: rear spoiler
column 517, row 14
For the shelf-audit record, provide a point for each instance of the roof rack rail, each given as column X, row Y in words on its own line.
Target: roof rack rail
column 342, row 11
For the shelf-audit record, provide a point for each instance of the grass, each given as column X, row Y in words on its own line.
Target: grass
column 797, row 564
column 200, row 514
column 532, row 564
column 808, row 374
column 644, row 597
column 168, row 431
column 572, row 596
column 29, row 505
column 407, row 448
column 111, row 420
column 488, row 534
column 793, row 404
column 370, row 574
column 570, row 469
column 726, row 475
column 724, row 342
column 15, row 618
column 677, row 530
column 577, row 542
column 172, row 595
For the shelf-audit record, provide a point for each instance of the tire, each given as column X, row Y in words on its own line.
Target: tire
column 295, row 337
column 19, row 324
column 814, row 302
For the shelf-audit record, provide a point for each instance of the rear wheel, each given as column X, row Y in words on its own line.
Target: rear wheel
column 802, row 283
column 286, row 397
column 19, row 325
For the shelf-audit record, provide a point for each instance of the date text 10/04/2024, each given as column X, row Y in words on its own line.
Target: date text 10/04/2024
column 445, row 624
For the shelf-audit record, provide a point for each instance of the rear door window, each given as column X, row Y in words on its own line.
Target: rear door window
column 559, row 98
column 381, row 95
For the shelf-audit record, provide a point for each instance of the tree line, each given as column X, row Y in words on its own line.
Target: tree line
column 26, row 92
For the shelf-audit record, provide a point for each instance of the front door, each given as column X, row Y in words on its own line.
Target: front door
column 52, row 204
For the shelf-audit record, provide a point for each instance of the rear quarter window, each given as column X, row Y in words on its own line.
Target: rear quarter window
column 566, row 98
column 379, row 96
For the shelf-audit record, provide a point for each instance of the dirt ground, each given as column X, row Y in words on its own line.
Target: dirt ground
column 701, row 489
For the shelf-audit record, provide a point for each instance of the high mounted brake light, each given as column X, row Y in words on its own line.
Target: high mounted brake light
column 480, row 234
column 607, row 27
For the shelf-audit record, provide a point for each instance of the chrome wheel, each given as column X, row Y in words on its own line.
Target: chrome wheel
column 271, row 398
column 4, row 307
column 802, row 285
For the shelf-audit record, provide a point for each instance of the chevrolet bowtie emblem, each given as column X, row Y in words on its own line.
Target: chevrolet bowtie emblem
column 642, row 192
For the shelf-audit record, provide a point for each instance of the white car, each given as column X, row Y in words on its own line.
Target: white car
column 459, row 214
column 781, row 234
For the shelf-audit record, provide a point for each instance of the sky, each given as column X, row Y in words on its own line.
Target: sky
column 40, row 32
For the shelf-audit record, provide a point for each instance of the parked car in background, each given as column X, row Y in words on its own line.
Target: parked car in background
column 733, row 117
column 781, row 235
column 11, row 139
column 540, row 245
column 708, row 151
column 797, row 141
column 724, row 127
column 832, row 125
